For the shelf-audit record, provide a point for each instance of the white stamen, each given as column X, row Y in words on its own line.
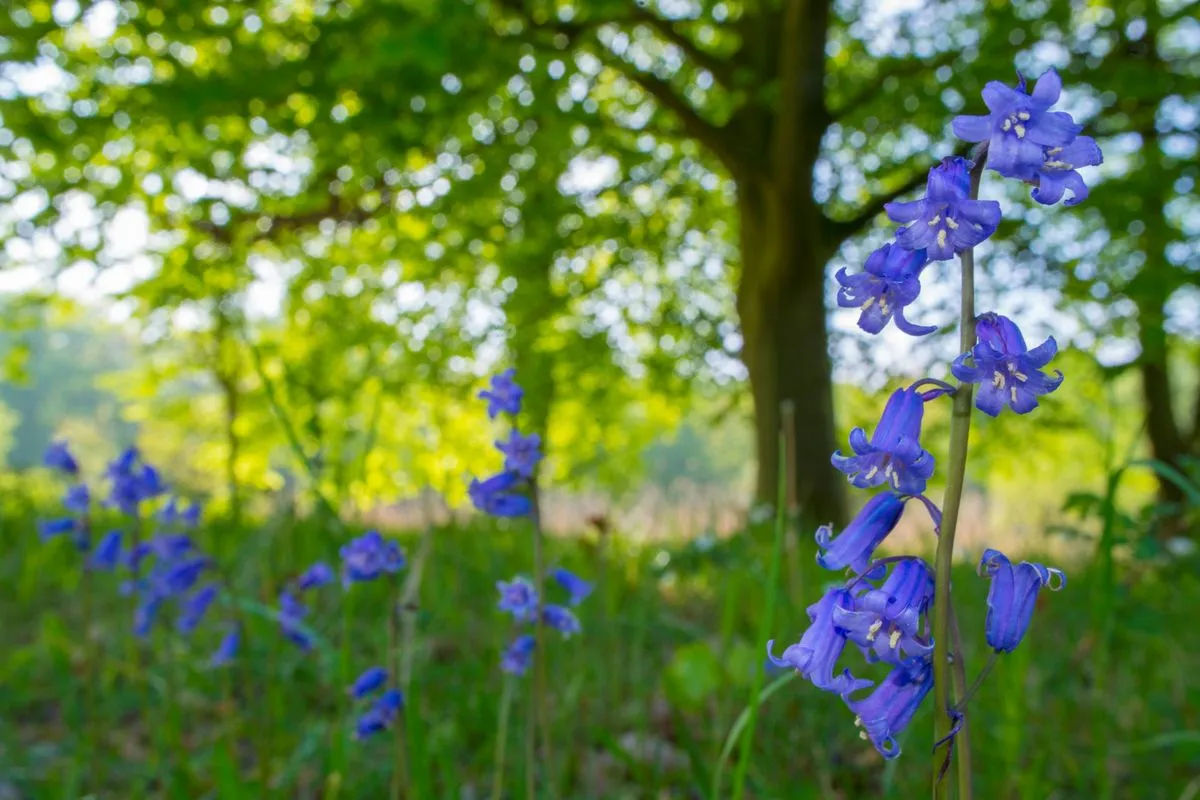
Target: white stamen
column 871, row 473
column 1053, row 151
column 1056, row 164
column 1007, row 126
column 883, row 306
column 873, row 631
column 1012, row 367
column 870, row 301
column 863, row 735
column 941, row 238
column 1022, row 115
column 936, row 219
column 1014, row 395
column 894, row 639
column 998, row 379
column 1020, row 129
column 951, row 224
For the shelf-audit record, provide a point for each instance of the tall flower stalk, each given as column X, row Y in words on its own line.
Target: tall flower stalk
column 899, row 610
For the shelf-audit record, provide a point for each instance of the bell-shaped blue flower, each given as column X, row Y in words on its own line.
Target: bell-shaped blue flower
column 576, row 587
column 369, row 556
column 380, row 716
column 885, row 622
column 369, row 681
column 497, row 496
column 819, row 648
column 1008, row 372
column 946, row 220
column 519, row 598
column 1058, row 173
column 107, row 554
column 78, row 499
column 195, row 607
column 291, row 620
column 886, row 711
column 58, row 456
column 561, row 619
column 1012, row 596
column 855, row 545
column 890, row 281
column 1019, row 126
column 894, row 454
column 521, row 453
column 227, row 649
column 319, row 574
column 505, row 395
column 518, row 655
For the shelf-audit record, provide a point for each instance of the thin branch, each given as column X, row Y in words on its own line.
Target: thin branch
column 721, row 68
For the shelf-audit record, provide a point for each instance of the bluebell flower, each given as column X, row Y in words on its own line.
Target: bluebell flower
column 576, row 587
column 291, row 617
column 894, row 454
column 886, row 622
column 177, row 578
column 107, row 554
column 78, row 499
column 496, row 496
column 227, row 649
column 561, row 619
column 368, row 557
column 1019, row 126
column 886, row 711
column 319, row 574
column 946, row 220
column 519, row 598
column 380, row 716
column 890, row 281
column 521, row 453
column 518, row 656
column 145, row 614
column 132, row 482
column 855, row 546
column 366, row 683
column 821, row 645
column 172, row 515
column 1058, row 173
column 195, row 607
column 504, row 396
column 50, row 528
column 1007, row 371
column 58, row 456
column 1012, row 595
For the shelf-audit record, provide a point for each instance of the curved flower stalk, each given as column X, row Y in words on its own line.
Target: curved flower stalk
column 897, row 610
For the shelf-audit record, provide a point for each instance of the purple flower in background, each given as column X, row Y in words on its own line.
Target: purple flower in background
column 132, row 482
column 495, row 496
column 1058, row 174
column 855, row 545
column 172, row 515
column 521, row 453
column 561, row 619
column 107, row 554
column 885, row 622
column 227, row 649
column 1007, row 371
column 380, row 716
column 371, row 679
column 887, row 710
column 518, row 655
column 946, row 221
column 894, row 454
column 819, row 648
column 890, row 281
column 78, row 499
column 519, row 598
column 51, row 528
column 58, row 456
column 319, row 574
column 368, row 557
column 576, row 587
column 195, row 607
column 1012, row 595
column 1019, row 126
column 145, row 614
column 504, row 396
column 291, row 619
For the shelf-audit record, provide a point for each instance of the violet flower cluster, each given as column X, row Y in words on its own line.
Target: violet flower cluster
column 519, row 598
column 883, row 610
column 381, row 709
column 167, row 570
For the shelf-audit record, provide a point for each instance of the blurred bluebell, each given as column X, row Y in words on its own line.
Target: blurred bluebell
column 369, row 556
column 291, row 616
column 521, row 453
column 561, row 619
column 886, row 711
column 1007, row 371
column 1019, row 126
column 369, row 681
column 171, row 515
column 132, row 482
column 319, row 574
column 820, row 646
column 894, row 453
column 145, row 614
column 889, row 282
column 886, row 622
column 946, row 221
column 855, row 546
column 195, row 607
column 78, row 499
column 496, row 495
column 380, row 715
column 58, row 456
column 576, row 587
column 519, row 598
column 504, row 396
column 107, row 554
column 227, row 649
column 51, row 528
column 518, row 655
column 1011, row 596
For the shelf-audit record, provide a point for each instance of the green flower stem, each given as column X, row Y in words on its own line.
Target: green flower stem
column 960, row 430
column 400, row 770
column 502, row 738
column 538, row 712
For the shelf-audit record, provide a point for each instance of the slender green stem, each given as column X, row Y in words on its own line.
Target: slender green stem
column 400, row 771
column 345, row 678
column 960, row 430
column 538, row 711
column 962, row 745
column 90, row 752
column 965, row 697
column 502, row 737
column 768, row 620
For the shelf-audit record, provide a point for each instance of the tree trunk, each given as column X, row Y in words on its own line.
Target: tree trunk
column 786, row 345
column 1167, row 443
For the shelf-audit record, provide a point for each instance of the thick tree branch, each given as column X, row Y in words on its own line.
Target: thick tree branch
column 339, row 208
column 721, row 69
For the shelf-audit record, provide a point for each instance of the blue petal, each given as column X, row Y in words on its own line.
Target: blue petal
column 972, row 128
